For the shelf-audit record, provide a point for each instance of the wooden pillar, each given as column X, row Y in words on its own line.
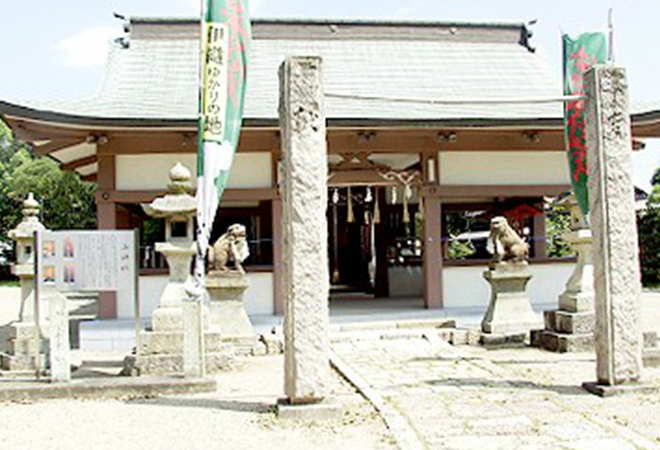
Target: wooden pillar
column 382, row 282
column 432, row 253
column 432, row 233
column 106, row 214
column 278, row 294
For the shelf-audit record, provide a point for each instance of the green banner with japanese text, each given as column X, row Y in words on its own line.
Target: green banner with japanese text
column 580, row 54
column 224, row 52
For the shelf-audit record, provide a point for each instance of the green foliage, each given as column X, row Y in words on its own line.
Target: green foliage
column 648, row 228
column 67, row 202
column 457, row 224
column 459, row 249
column 557, row 224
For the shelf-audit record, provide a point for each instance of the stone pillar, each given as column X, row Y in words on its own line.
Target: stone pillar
column 432, row 253
column 305, row 231
column 58, row 337
column 616, row 261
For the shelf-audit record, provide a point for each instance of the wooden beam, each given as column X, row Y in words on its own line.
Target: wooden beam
column 481, row 191
column 82, row 162
column 57, row 144
column 231, row 195
column 120, row 143
column 414, row 141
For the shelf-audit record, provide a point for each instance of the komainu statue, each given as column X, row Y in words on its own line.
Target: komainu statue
column 505, row 244
column 231, row 247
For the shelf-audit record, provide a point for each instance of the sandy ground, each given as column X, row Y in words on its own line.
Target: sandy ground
column 240, row 415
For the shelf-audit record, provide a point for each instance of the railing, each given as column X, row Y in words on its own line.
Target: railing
column 261, row 254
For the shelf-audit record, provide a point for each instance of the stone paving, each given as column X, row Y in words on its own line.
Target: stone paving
column 471, row 398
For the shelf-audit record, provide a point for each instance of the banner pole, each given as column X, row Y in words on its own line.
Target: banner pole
column 37, row 279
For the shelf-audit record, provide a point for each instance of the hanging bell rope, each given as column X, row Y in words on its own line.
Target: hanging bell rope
column 406, row 214
column 351, row 216
column 376, row 210
column 393, row 195
column 335, row 196
column 421, row 204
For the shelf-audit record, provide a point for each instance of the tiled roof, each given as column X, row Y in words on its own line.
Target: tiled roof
column 157, row 78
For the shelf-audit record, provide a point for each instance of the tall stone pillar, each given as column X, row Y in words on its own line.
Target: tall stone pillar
column 306, row 281
column 616, row 262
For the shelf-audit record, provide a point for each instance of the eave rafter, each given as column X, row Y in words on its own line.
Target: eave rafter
column 82, row 162
column 57, row 144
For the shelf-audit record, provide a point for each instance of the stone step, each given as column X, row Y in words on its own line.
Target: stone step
column 651, row 357
column 163, row 343
column 394, row 324
column 561, row 342
column 569, row 322
column 173, row 364
column 19, row 364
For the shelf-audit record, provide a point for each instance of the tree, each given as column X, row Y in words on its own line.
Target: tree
column 67, row 202
column 557, row 224
column 648, row 228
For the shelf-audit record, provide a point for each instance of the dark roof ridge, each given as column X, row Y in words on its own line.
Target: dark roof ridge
column 338, row 21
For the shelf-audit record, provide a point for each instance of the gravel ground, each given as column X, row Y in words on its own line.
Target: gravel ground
column 240, row 415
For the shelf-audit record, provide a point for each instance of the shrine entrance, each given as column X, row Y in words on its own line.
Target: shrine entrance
column 372, row 210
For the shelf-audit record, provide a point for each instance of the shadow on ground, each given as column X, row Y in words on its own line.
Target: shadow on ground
column 204, row 403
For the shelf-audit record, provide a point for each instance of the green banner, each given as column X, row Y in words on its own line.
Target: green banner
column 225, row 44
column 580, row 55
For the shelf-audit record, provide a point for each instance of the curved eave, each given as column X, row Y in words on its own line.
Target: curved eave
column 647, row 122
column 83, row 122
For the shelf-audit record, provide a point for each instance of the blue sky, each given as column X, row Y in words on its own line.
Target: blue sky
column 56, row 48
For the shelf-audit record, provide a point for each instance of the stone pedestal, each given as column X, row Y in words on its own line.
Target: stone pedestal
column 227, row 313
column 509, row 312
column 617, row 279
column 571, row 327
column 168, row 315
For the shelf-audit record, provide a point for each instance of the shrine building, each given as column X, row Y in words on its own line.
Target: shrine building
column 419, row 159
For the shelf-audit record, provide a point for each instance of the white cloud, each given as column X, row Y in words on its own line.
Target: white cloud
column 87, row 48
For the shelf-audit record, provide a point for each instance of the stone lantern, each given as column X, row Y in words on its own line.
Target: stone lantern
column 571, row 328
column 18, row 338
column 178, row 208
column 161, row 347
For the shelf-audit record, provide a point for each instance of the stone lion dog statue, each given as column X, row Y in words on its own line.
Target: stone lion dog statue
column 505, row 244
column 231, row 247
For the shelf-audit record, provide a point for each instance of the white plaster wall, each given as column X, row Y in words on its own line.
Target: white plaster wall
column 150, row 172
column 465, row 287
column 503, row 168
column 258, row 297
